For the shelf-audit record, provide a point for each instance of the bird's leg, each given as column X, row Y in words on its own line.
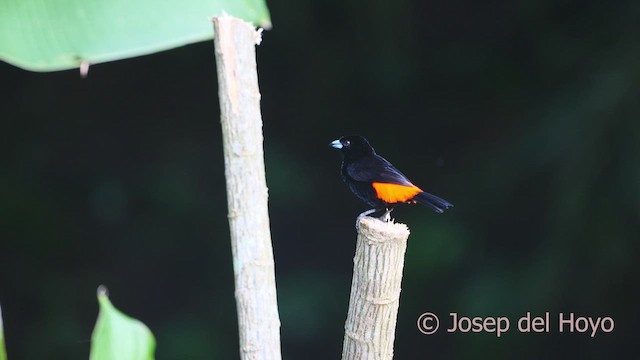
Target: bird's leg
column 368, row 212
column 386, row 217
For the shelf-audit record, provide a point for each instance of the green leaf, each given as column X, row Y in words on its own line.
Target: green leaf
column 118, row 336
column 3, row 350
column 49, row 35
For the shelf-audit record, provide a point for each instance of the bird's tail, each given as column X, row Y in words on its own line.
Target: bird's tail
column 437, row 204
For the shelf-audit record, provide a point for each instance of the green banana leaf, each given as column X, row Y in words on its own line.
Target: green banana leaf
column 3, row 351
column 50, row 35
column 118, row 336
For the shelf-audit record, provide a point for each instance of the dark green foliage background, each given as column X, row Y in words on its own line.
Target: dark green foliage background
column 524, row 115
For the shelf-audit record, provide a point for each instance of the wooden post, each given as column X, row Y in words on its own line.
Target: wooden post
column 375, row 290
column 253, row 265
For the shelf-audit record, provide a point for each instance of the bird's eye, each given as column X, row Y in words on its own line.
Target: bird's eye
column 347, row 143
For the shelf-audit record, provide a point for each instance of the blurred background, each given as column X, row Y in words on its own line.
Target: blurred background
column 524, row 115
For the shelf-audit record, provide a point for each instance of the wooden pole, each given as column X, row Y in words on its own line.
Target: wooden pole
column 253, row 265
column 375, row 290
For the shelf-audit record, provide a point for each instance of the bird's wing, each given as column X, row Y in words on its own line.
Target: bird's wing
column 376, row 169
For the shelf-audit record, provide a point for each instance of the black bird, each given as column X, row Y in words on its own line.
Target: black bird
column 378, row 183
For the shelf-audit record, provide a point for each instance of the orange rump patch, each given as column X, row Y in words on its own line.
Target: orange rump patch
column 394, row 193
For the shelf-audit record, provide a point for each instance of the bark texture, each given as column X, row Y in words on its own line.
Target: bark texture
column 375, row 290
column 253, row 265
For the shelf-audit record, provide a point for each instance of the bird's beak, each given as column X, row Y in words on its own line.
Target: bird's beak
column 336, row 144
